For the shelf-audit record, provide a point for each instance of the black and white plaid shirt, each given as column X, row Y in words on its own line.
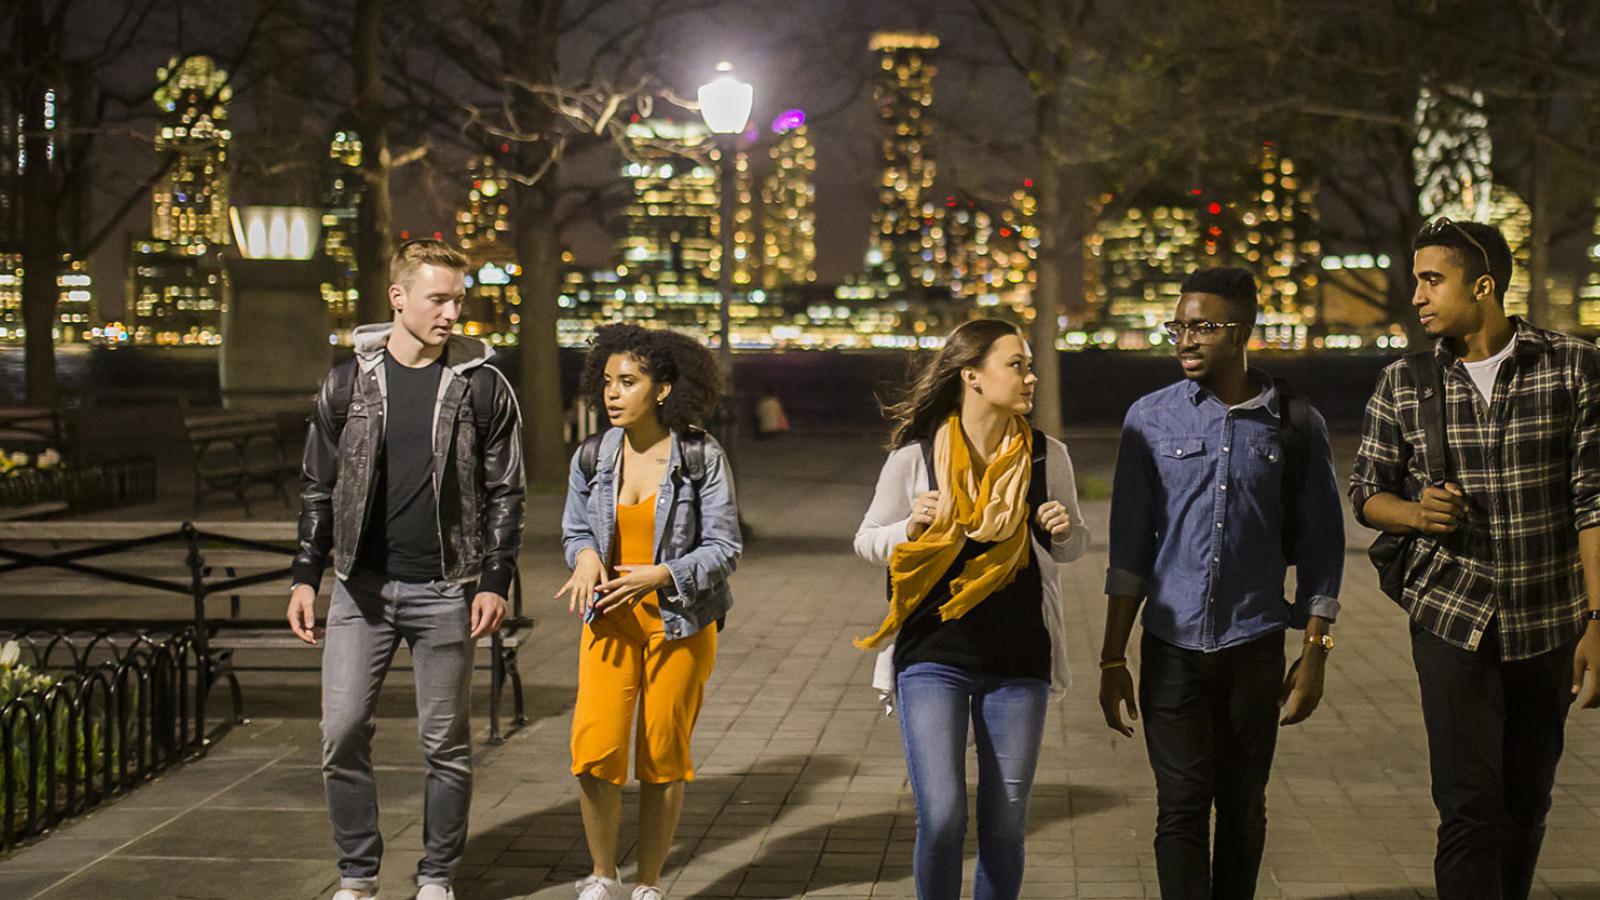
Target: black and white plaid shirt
column 1529, row 464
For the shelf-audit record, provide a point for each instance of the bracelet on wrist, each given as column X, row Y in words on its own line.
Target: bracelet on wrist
column 1107, row 665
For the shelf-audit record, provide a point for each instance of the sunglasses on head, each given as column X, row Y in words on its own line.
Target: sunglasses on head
column 1438, row 226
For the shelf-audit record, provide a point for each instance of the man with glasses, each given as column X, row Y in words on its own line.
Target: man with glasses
column 1502, row 578
column 1222, row 482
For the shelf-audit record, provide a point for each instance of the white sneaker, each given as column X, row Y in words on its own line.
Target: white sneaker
column 353, row 894
column 594, row 887
column 649, row 892
column 435, row 892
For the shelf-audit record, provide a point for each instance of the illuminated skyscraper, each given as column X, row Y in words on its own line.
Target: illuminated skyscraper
column 342, row 190
column 483, row 229
column 1274, row 239
column 669, row 238
column 1451, row 163
column 191, row 197
column 486, row 217
column 788, row 206
column 75, row 299
column 174, row 296
column 907, row 226
column 1140, row 259
column 176, row 283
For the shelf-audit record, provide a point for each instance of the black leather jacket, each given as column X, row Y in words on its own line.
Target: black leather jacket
column 479, row 489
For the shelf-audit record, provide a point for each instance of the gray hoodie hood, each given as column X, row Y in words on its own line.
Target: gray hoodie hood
column 461, row 353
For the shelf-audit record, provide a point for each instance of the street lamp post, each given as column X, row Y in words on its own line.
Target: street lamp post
column 725, row 105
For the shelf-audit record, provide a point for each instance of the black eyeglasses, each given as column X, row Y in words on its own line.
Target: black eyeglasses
column 1437, row 227
column 1203, row 332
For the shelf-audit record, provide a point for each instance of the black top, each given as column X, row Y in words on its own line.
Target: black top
column 402, row 539
column 1004, row 636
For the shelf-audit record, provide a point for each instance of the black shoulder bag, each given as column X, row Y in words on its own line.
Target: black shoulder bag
column 1389, row 552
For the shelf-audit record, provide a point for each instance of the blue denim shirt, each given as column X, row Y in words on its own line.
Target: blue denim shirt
column 1197, row 519
column 697, row 531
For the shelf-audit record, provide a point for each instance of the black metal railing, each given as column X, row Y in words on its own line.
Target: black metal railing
column 118, row 709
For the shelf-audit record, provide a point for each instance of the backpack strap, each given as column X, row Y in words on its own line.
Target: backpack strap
column 1294, row 440
column 1038, row 484
column 1430, row 400
column 927, row 462
column 589, row 455
column 693, row 447
column 481, row 385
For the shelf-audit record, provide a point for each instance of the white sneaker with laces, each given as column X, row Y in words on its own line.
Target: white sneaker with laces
column 649, row 892
column 435, row 892
column 594, row 887
column 353, row 894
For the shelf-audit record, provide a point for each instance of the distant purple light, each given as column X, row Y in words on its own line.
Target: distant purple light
column 788, row 120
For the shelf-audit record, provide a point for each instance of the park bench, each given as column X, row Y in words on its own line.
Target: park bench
column 100, row 582
column 234, row 452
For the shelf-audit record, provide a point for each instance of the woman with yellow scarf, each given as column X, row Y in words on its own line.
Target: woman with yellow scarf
column 975, row 615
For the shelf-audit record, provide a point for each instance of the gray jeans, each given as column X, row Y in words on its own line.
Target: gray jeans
column 366, row 622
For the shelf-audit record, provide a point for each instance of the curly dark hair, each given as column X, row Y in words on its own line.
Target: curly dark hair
column 667, row 357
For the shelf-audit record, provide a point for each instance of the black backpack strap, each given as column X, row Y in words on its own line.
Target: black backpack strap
column 1430, row 400
column 1294, row 442
column 1038, row 485
column 480, row 382
column 927, row 462
column 693, row 447
column 589, row 455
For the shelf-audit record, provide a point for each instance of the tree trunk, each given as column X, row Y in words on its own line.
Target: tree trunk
column 374, row 220
column 539, row 250
column 1052, row 267
column 41, row 221
column 532, row 56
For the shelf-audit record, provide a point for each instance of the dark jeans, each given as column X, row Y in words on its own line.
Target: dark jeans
column 1211, row 726
column 1495, row 733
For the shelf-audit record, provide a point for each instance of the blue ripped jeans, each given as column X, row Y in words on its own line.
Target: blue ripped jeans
column 1007, row 714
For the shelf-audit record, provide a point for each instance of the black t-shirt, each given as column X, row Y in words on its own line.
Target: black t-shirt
column 1004, row 636
column 402, row 539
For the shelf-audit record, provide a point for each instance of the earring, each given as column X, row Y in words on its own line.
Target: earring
column 977, row 389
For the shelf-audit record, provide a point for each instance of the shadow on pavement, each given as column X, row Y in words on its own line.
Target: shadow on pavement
column 777, row 860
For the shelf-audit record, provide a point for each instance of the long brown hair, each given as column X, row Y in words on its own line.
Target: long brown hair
column 936, row 390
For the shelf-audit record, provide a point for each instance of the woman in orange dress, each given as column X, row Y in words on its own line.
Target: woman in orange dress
column 651, row 531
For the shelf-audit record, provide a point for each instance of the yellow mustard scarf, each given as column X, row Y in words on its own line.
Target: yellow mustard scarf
column 991, row 506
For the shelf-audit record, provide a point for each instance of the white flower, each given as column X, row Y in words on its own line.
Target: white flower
column 49, row 459
column 19, row 458
column 10, row 652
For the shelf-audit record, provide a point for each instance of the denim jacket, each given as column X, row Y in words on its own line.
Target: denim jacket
column 697, row 530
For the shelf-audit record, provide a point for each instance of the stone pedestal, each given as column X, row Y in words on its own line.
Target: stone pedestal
column 275, row 347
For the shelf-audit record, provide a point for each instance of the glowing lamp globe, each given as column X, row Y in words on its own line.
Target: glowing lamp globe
column 725, row 102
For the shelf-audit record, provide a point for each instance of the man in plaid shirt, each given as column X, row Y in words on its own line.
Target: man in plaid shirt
column 1503, row 581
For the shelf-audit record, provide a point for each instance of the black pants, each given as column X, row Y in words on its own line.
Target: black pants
column 1495, row 733
column 1211, row 726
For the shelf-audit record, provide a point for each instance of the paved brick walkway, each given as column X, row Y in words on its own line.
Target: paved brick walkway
column 802, row 786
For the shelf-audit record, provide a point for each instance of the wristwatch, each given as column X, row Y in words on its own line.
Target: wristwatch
column 1592, row 615
column 1324, row 641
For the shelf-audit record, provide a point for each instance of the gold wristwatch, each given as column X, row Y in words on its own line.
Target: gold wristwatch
column 1324, row 641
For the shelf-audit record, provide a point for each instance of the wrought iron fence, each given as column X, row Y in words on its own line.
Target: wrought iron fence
column 118, row 709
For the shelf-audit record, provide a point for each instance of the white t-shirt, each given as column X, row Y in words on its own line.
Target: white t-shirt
column 1485, row 372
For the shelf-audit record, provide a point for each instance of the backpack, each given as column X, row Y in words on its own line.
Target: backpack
column 1390, row 552
column 1294, row 436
